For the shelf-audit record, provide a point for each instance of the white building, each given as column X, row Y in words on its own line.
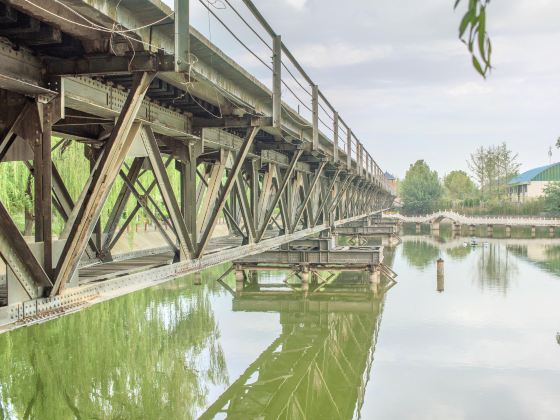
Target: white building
column 531, row 184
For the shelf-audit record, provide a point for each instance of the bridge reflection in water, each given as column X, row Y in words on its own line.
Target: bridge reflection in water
column 319, row 365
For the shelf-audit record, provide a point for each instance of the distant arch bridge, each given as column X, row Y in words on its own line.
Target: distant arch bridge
column 458, row 219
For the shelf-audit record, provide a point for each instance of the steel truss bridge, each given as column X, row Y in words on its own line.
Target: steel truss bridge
column 120, row 77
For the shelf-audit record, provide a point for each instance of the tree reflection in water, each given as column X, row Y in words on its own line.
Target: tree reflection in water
column 459, row 253
column 149, row 354
column 419, row 253
column 495, row 267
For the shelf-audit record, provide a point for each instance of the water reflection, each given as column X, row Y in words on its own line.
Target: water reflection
column 420, row 253
column 543, row 254
column 319, row 365
column 150, row 354
column 496, row 268
column 459, row 252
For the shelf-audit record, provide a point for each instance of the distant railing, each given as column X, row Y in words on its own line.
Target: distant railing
column 325, row 119
column 480, row 220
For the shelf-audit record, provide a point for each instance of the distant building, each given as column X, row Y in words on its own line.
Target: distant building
column 392, row 180
column 531, row 184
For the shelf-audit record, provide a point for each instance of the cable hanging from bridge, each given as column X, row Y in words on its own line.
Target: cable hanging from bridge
column 234, row 35
column 248, row 25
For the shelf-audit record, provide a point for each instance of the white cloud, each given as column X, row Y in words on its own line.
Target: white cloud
column 338, row 54
column 297, row 4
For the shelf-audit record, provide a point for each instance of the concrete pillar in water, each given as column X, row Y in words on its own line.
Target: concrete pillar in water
column 533, row 231
column 551, row 231
column 374, row 275
column 508, row 231
column 304, row 275
column 254, row 277
column 435, row 228
column 490, row 230
column 440, row 277
column 239, row 279
column 418, row 227
column 457, row 229
column 197, row 278
column 471, row 230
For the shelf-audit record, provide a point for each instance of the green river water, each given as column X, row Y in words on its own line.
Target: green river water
column 481, row 343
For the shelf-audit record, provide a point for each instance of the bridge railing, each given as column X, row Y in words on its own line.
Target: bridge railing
column 289, row 77
column 497, row 220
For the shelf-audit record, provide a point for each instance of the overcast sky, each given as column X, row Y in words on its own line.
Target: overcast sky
column 399, row 76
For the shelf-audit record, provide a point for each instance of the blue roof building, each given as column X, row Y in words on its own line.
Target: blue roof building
column 531, row 184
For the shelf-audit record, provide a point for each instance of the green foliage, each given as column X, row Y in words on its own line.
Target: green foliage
column 552, row 197
column 493, row 167
column 69, row 157
column 505, row 208
column 472, row 32
column 458, row 186
column 420, row 190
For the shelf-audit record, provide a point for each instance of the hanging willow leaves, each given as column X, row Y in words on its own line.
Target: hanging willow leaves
column 472, row 32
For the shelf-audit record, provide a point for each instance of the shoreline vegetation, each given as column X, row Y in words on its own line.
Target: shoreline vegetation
column 483, row 192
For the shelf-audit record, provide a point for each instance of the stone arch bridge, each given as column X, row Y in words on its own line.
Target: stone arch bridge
column 472, row 222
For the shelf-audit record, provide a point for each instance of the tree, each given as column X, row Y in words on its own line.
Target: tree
column 420, row 190
column 458, row 185
column 552, row 197
column 473, row 24
column 493, row 168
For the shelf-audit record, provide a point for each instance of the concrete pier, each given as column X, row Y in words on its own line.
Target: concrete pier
column 490, row 231
column 508, row 231
column 533, row 231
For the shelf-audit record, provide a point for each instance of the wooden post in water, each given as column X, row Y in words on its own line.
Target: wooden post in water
column 440, row 287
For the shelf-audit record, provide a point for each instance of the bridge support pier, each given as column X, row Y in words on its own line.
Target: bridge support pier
column 456, row 229
column 304, row 276
column 374, row 275
column 435, row 228
column 418, row 227
column 471, row 230
column 551, row 231
column 490, row 230
column 533, row 232
column 239, row 278
column 197, row 278
column 508, row 231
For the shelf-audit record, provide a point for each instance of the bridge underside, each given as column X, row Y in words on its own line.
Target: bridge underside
column 181, row 151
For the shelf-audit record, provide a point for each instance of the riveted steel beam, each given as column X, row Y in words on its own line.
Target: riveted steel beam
column 19, row 258
column 103, row 177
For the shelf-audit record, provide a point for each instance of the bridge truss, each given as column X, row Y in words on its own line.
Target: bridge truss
column 143, row 108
